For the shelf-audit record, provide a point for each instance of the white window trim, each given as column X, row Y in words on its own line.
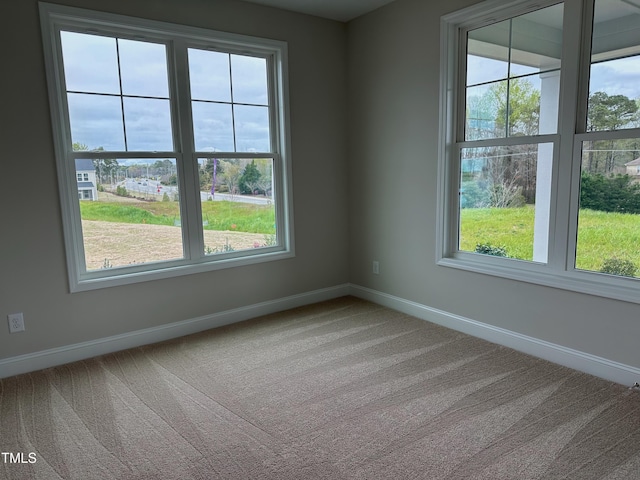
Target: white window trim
column 559, row 271
column 56, row 17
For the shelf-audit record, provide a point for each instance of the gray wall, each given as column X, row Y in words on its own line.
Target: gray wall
column 393, row 58
column 33, row 277
column 385, row 209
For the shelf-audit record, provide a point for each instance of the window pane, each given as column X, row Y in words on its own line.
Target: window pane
column 484, row 70
column 96, row 121
column 252, row 128
column 209, row 75
column 520, row 70
column 536, row 40
column 238, row 212
column 524, row 107
column 609, row 216
column 614, row 95
column 130, row 211
column 519, row 106
column 484, row 103
column 498, row 191
column 143, row 67
column 212, row 127
column 513, row 76
column 249, row 79
column 219, row 123
column 615, row 70
column 90, row 63
column 95, row 69
column 148, row 123
column 488, row 53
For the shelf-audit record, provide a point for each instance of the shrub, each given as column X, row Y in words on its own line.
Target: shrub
column 619, row 266
column 224, row 248
column 506, row 194
column 122, row 191
column 614, row 193
column 488, row 249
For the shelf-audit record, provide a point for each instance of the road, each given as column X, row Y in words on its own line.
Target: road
column 154, row 187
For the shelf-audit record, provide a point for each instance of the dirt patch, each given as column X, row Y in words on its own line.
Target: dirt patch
column 120, row 244
column 113, row 198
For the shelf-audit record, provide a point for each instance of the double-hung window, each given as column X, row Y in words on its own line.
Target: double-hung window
column 540, row 143
column 181, row 133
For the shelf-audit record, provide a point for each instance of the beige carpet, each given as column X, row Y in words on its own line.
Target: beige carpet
column 339, row 390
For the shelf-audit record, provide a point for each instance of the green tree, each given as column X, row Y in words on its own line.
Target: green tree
column 250, row 178
column 230, row 177
column 517, row 106
column 171, row 180
column 265, row 168
column 607, row 112
column 209, row 171
column 107, row 168
column 162, row 168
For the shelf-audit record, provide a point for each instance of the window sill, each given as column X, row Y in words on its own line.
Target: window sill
column 591, row 283
column 97, row 279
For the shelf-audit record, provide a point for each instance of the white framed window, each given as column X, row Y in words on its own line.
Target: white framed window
column 183, row 135
column 540, row 117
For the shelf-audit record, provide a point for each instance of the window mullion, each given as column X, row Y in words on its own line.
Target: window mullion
column 457, row 77
column 72, row 224
column 191, row 210
column 124, row 120
column 460, row 75
column 584, row 57
column 567, row 169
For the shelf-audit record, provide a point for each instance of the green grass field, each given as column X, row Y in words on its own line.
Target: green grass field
column 222, row 216
column 601, row 235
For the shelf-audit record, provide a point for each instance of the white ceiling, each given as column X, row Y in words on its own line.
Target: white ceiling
column 341, row 10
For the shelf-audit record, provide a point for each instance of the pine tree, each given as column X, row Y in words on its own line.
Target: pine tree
column 249, row 178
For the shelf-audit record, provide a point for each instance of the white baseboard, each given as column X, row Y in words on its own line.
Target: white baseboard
column 581, row 361
column 80, row 351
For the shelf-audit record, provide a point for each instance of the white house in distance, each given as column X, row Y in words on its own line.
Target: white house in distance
column 633, row 169
column 86, row 177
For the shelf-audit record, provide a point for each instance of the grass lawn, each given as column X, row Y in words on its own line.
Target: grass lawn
column 218, row 215
column 605, row 235
column 511, row 228
column 601, row 235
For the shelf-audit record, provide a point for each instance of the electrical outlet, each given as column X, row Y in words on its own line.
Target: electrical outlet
column 16, row 322
column 376, row 267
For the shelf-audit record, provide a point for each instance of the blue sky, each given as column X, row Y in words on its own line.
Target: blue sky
column 98, row 70
column 614, row 77
column 617, row 77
